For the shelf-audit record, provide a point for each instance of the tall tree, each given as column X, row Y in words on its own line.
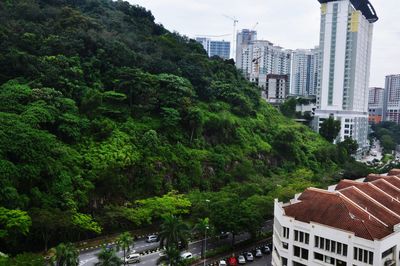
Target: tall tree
column 124, row 243
column 172, row 231
column 66, row 255
column 330, row 129
column 201, row 227
column 108, row 257
column 349, row 145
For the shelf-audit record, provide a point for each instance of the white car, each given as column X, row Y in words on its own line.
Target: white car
column 258, row 253
column 222, row 263
column 241, row 259
column 186, row 255
column 249, row 256
column 152, row 238
column 132, row 258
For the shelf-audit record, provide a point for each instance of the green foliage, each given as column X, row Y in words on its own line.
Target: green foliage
column 330, row 128
column 85, row 222
column 108, row 257
column 288, row 108
column 349, row 145
column 13, row 222
column 66, row 255
column 124, row 242
column 103, row 111
column 145, row 211
column 172, row 232
column 26, row 259
column 388, row 133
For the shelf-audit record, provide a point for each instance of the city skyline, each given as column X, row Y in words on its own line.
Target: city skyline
column 302, row 24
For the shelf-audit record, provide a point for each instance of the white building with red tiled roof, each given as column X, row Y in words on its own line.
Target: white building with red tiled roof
column 355, row 223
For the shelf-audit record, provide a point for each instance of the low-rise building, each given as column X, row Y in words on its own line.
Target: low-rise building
column 352, row 223
column 275, row 88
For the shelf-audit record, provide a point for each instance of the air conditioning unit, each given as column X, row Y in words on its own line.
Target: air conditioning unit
column 390, row 262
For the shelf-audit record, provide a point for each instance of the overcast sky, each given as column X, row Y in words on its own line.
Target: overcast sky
column 291, row 24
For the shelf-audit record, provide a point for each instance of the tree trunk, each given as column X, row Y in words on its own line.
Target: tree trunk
column 191, row 136
column 233, row 239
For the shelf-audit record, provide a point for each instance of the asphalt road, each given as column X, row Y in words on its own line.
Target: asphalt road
column 89, row 258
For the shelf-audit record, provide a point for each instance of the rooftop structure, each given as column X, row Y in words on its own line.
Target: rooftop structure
column 364, row 6
column 362, row 217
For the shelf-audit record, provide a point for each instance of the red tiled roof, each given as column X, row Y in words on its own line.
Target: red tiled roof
column 394, row 172
column 387, row 187
column 374, row 207
column 370, row 209
column 335, row 210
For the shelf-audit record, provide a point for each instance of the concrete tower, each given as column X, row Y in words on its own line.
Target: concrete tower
column 345, row 49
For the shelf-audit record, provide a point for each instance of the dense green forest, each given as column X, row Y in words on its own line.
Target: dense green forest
column 108, row 119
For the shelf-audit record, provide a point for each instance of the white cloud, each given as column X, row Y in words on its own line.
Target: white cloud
column 289, row 23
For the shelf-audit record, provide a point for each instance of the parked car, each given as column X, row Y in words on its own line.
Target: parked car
column 232, row 261
column 222, row 263
column 265, row 249
column 224, row 235
column 241, row 259
column 186, row 255
column 132, row 258
column 249, row 256
column 152, row 238
column 258, row 253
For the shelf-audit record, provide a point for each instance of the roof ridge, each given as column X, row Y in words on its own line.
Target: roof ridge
column 344, row 197
column 390, row 184
column 380, row 205
column 366, row 228
column 321, row 190
column 384, row 192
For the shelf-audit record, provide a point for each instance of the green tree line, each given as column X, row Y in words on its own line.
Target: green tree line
column 102, row 108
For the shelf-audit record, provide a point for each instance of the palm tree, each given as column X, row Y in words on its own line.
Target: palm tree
column 201, row 227
column 171, row 256
column 66, row 255
column 108, row 257
column 124, row 242
column 172, row 231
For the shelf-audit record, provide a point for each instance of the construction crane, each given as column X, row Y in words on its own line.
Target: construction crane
column 235, row 22
column 256, row 62
column 214, row 36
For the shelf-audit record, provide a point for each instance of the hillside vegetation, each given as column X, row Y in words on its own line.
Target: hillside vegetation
column 101, row 107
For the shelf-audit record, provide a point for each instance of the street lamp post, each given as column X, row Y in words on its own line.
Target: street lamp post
column 205, row 245
column 205, row 238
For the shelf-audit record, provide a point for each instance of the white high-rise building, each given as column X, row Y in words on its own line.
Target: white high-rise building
column 244, row 38
column 304, row 72
column 260, row 58
column 345, row 43
column 391, row 105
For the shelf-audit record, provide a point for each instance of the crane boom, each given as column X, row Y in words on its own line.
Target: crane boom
column 235, row 22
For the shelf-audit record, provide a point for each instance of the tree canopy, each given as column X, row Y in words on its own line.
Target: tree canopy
column 108, row 119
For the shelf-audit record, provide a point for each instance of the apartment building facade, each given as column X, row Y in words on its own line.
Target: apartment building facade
column 304, row 72
column 275, row 89
column 215, row 48
column 356, row 223
column 375, row 105
column 345, row 43
column 261, row 58
column 391, row 110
